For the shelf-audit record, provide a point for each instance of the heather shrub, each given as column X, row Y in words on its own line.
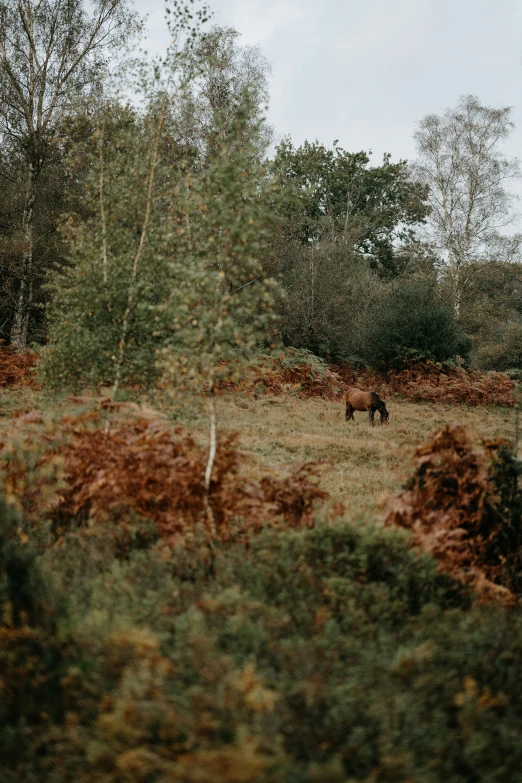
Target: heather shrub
column 337, row 654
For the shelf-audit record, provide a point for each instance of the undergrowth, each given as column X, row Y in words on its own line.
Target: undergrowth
column 122, row 462
column 17, row 369
column 133, row 649
column 296, row 371
column 333, row 654
column 303, row 374
column 300, row 372
column 435, row 382
column 464, row 506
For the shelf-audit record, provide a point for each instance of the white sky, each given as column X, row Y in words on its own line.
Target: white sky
column 365, row 71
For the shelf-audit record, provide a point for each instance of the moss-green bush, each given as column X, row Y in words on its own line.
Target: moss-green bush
column 336, row 654
column 504, row 352
column 31, row 648
column 412, row 324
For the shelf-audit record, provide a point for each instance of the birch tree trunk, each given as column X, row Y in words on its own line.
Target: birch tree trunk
column 19, row 329
column 50, row 53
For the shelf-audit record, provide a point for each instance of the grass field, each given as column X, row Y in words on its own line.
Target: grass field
column 365, row 464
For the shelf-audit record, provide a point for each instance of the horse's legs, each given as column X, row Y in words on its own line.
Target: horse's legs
column 349, row 412
column 371, row 414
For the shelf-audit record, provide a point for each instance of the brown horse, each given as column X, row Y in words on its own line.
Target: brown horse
column 357, row 400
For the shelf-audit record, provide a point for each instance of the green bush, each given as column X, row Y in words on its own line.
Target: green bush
column 329, row 293
column 337, row 654
column 504, row 352
column 31, row 652
column 412, row 324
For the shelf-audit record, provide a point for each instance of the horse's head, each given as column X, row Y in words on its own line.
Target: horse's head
column 384, row 415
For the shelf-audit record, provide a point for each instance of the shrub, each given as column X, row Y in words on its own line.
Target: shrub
column 296, row 370
column 412, row 324
column 443, row 383
column 306, row 375
column 330, row 293
column 464, row 507
column 506, row 352
column 435, row 382
column 16, row 369
column 88, row 469
column 31, row 655
column 333, row 654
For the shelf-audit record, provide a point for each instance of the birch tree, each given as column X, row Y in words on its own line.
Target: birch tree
column 52, row 53
column 205, row 113
column 461, row 160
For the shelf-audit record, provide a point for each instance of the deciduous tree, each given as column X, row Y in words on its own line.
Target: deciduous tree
column 52, row 53
column 336, row 195
column 462, row 163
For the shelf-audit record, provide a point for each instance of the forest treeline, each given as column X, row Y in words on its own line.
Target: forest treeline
column 171, row 230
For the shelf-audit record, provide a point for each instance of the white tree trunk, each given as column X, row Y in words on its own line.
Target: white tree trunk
column 25, row 293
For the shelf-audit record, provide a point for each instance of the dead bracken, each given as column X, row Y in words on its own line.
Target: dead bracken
column 107, row 462
column 16, row 369
column 462, row 505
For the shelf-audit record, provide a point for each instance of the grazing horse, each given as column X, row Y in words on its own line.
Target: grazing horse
column 357, row 400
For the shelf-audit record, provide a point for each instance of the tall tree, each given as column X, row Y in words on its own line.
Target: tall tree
column 52, row 53
column 461, row 161
column 336, row 195
column 204, row 114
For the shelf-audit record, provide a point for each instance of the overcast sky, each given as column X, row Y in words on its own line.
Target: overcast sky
column 365, row 71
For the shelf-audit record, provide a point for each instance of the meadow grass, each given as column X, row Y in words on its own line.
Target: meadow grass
column 363, row 465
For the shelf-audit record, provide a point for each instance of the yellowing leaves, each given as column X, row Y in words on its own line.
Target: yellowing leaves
column 255, row 695
column 479, row 700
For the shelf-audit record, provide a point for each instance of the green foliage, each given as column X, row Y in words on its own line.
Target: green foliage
column 332, row 193
column 166, row 271
column 221, row 309
column 505, row 474
column 295, row 358
column 333, row 654
column 337, row 307
column 111, row 285
column 504, row 352
column 330, row 294
column 22, row 589
column 219, row 71
column 491, row 300
column 54, row 62
column 30, row 651
column 412, row 324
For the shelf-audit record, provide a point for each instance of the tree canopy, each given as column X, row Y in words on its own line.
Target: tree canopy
column 336, row 194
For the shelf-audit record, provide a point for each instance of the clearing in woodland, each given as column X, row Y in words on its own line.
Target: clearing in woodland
column 366, row 464
column 363, row 465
